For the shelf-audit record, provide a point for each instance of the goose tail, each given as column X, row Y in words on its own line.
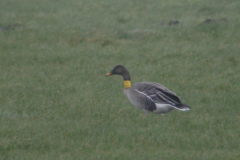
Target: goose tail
column 182, row 107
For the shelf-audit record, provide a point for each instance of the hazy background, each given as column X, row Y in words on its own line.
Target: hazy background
column 56, row 103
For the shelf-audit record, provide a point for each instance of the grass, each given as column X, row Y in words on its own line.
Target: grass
column 56, row 103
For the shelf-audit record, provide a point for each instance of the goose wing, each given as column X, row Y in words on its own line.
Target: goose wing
column 158, row 93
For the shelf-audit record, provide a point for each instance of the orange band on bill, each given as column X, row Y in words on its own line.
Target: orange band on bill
column 108, row 74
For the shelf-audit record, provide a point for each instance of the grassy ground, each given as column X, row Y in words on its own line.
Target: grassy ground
column 56, row 103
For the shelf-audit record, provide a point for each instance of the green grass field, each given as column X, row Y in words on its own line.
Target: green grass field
column 56, row 103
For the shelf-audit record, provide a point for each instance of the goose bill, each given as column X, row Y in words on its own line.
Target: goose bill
column 108, row 74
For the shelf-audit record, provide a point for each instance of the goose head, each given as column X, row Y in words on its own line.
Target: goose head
column 120, row 70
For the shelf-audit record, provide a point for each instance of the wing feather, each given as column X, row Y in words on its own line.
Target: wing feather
column 158, row 93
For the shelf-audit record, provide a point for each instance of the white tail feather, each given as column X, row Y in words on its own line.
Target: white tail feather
column 182, row 109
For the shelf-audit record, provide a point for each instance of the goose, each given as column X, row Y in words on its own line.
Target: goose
column 149, row 96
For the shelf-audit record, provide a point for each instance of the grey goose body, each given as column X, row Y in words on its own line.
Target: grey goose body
column 149, row 96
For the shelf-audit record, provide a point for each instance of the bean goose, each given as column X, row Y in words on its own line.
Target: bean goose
column 149, row 96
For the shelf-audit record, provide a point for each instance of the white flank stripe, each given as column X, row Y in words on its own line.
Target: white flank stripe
column 144, row 94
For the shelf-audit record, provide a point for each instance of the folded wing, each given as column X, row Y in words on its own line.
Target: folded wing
column 158, row 93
